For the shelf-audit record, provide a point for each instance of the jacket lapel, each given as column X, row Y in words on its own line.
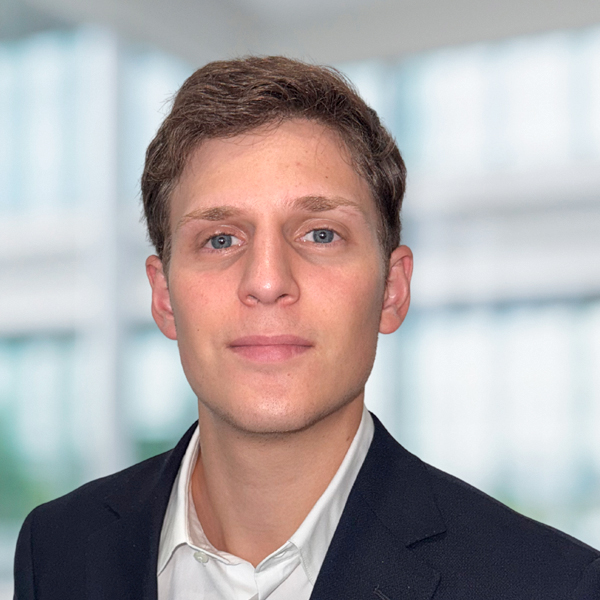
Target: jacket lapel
column 121, row 558
column 390, row 508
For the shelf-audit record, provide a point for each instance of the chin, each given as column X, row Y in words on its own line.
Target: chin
column 273, row 416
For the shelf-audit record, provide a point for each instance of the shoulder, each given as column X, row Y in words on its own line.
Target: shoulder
column 504, row 547
column 60, row 541
column 68, row 521
column 468, row 509
column 480, row 547
column 102, row 499
column 89, row 507
column 53, row 543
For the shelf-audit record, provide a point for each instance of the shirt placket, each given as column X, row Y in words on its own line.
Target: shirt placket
column 270, row 574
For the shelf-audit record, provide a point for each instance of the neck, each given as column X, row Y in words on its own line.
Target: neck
column 252, row 492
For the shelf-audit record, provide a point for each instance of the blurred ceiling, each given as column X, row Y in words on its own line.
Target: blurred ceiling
column 320, row 30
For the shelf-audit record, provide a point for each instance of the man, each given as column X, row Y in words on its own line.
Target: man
column 272, row 195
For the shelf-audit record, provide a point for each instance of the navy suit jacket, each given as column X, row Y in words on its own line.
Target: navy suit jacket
column 408, row 532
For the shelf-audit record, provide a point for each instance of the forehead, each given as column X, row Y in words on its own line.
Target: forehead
column 269, row 168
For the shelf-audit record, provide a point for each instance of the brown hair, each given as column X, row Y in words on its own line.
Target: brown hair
column 228, row 98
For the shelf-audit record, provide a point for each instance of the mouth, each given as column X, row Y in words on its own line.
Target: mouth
column 265, row 349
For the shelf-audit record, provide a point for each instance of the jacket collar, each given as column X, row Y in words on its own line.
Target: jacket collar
column 121, row 557
column 390, row 509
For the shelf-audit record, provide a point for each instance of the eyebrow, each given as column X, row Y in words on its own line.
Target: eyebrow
column 306, row 203
column 324, row 203
column 216, row 213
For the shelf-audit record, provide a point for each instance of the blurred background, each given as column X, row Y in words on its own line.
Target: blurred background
column 494, row 377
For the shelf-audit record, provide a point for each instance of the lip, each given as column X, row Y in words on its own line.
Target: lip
column 270, row 348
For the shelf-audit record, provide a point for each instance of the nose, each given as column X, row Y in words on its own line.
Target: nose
column 268, row 276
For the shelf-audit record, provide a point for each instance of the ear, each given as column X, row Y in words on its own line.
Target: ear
column 161, row 300
column 396, row 299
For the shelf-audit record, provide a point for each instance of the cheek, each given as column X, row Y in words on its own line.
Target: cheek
column 350, row 300
column 198, row 305
column 199, row 312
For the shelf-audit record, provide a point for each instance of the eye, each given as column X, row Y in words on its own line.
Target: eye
column 320, row 236
column 222, row 241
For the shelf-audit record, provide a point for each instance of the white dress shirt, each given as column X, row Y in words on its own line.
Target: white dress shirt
column 190, row 567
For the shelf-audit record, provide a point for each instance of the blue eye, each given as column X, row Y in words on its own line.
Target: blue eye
column 221, row 241
column 322, row 236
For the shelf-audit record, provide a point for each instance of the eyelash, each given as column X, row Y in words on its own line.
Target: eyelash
column 205, row 241
column 313, row 229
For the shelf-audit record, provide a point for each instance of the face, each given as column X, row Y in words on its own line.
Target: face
column 277, row 287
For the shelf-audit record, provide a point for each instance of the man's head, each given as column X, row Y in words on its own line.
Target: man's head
column 229, row 98
column 283, row 263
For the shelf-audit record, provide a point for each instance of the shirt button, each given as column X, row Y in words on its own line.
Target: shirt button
column 201, row 557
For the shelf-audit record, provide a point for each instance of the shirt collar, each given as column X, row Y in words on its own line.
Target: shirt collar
column 315, row 533
column 175, row 531
column 312, row 538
